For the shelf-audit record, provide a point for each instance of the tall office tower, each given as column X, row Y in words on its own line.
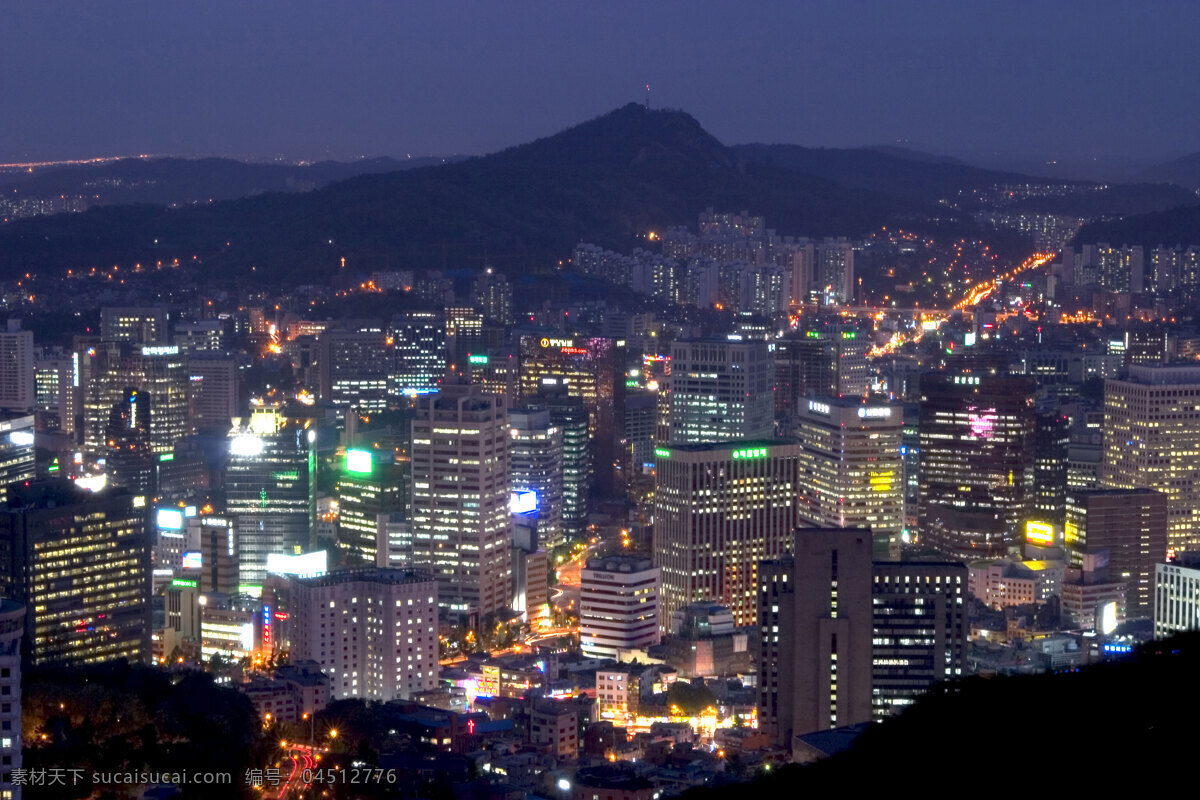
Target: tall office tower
column 183, row 476
column 164, row 378
column 493, row 294
column 353, row 367
column 910, row 449
column 1051, row 443
column 57, row 379
column 1120, row 269
column 720, row 390
column 17, row 457
column 641, row 425
column 805, row 366
column 1151, row 440
column 851, row 470
column 460, row 506
column 720, row 509
column 18, row 386
column 815, row 621
column 146, row 325
column 570, row 416
column 368, row 487
column 215, row 389
column 920, row 630
column 372, row 630
column 592, row 369
column 976, row 472
column 80, row 563
column 270, row 486
column 419, row 351
column 1131, row 525
column 618, row 605
column 834, row 272
column 765, row 289
column 12, row 627
column 130, row 461
column 464, row 333
column 535, row 457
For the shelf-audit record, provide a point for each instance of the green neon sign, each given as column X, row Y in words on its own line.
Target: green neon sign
column 477, row 359
column 167, row 457
column 183, row 584
column 662, row 452
column 750, row 452
column 358, row 462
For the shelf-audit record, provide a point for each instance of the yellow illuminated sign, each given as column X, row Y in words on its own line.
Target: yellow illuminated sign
column 1039, row 533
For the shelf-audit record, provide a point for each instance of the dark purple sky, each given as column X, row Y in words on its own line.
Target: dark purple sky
column 330, row 79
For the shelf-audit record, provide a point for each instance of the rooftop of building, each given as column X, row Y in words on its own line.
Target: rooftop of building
column 621, row 777
column 389, row 575
column 1164, row 374
column 620, row 563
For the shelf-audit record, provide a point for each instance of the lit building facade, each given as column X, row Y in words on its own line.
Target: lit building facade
column 618, row 605
column 368, row 487
column 12, row 628
column 373, row 631
column 17, row 458
column 536, row 465
column 720, row 509
column 852, row 473
column 353, row 367
column 80, row 562
column 976, row 461
column 720, row 390
column 1177, row 596
column 1152, row 441
column 419, row 352
column 460, row 505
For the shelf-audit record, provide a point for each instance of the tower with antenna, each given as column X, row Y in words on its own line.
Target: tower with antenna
column 647, row 97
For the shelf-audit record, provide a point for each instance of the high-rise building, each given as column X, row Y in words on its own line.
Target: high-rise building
column 834, row 272
column 719, row 510
column 269, row 487
column 1152, row 441
column 1131, row 526
column 1177, row 596
column 164, row 379
column 17, row 458
column 368, row 486
column 373, row 631
column 130, row 461
column 80, row 563
column 419, row 348
column 618, row 605
column 215, row 377
column 851, row 468
column 536, row 465
column 815, row 629
column 920, row 630
column 1051, row 460
column 57, row 379
column 12, row 628
column 146, row 325
column 18, row 387
column 464, row 332
column 570, row 416
column 720, row 390
column 592, row 369
column 460, row 506
column 976, row 461
column 492, row 293
column 354, row 366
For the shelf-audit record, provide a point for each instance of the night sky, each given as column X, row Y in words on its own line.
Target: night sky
column 309, row 79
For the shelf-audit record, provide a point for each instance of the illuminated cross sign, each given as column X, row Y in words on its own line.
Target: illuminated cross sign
column 750, row 452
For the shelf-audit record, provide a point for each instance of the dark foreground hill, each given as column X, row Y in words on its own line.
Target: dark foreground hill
column 609, row 180
column 1111, row 724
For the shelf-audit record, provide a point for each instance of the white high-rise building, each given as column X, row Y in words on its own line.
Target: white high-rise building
column 852, row 475
column 1152, row 441
column 372, row 630
column 720, row 390
column 460, row 508
column 618, row 605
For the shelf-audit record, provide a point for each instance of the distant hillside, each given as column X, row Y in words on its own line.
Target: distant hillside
column 181, row 181
column 1183, row 172
column 923, row 179
column 1176, row 226
column 919, row 156
column 1118, row 199
column 609, row 180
